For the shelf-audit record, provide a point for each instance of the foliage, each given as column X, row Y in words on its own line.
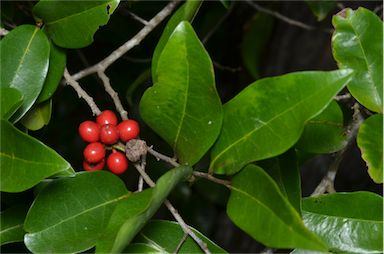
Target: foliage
column 251, row 146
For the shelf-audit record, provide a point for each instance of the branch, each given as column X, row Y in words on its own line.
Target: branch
column 163, row 157
column 210, row 177
column 327, row 183
column 3, row 31
column 343, row 97
column 82, row 94
column 134, row 41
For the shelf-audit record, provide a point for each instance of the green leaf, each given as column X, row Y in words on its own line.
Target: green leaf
column 38, row 116
column 26, row 161
column 321, row 8
column 258, row 207
column 73, row 25
column 11, row 226
column 166, row 235
column 183, row 106
column 226, row 3
column 267, row 117
column 70, row 214
column 11, row 100
column 348, row 222
column 24, row 61
column 57, row 62
column 370, row 142
column 358, row 44
column 256, row 36
column 285, row 172
column 131, row 215
column 142, row 248
column 325, row 132
column 186, row 12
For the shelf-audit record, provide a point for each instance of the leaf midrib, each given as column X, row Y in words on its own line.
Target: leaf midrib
column 11, row 228
column 33, row 162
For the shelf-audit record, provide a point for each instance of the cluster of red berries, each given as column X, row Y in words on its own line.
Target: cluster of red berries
column 106, row 132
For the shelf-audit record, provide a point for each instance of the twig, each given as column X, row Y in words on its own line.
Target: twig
column 343, row 97
column 3, row 31
column 136, row 17
column 212, row 178
column 327, row 183
column 134, row 41
column 182, row 240
column 81, row 93
column 143, row 165
column 218, row 24
column 226, row 68
column 115, row 97
column 162, row 157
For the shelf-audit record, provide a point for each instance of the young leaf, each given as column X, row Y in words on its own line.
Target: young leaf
column 24, row 64
column 79, row 210
column 267, row 117
column 11, row 224
column 347, row 222
column 131, row 215
column 26, row 161
column 38, row 116
column 258, row 207
column 183, row 106
column 186, row 12
column 358, row 44
column 57, row 62
column 11, row 100
column 73, row 25
column 370, row 142
column 325, row 132
column 285, row 172
column 166, row 235
column 321, row 8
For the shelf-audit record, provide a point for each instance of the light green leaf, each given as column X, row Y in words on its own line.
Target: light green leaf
column 267, row 117
column 24, row 64
column 325, row 132
column 186, row 12
column 73, row 25
column 347, row 222
column 70, row 214
column 57, row 62
column 11, row 100
column 166, row 235
column 285, row 172
column 11, row 224
column 256, row 35
column 183, row 106
column 131, row 215
column 258, row 207
column 370, row 142
column 358, row 44
column 321, row 8
column 26, row 161
column 38, row 116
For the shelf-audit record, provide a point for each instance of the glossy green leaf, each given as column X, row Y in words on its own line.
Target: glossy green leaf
column 358, row 44
column 256, row 36
column 166, row 235
column 259, row 208
column 321, row 8
column 24, row 64
column 26, row 161
column 348, row 222
column 285, row 172
column 11, row 100
column 186, row 12
column 183, row 106
column 11, row 224
column 38, row 116
column 370, row 142
column 131, row 215
column 226, row 3
column 325, row 132
column 70, row 214
column 57, row 62
column 73, row 25
column 143, row 248
column 267, row 117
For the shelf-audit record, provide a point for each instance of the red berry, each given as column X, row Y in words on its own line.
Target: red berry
column 109, row 134
column 93, row 166
column 117, row 163
column 89, row 131
column 128, row 129
column 106, row 117
column 94, row 152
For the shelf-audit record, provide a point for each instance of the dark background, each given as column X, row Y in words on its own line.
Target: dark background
column 289, row 49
